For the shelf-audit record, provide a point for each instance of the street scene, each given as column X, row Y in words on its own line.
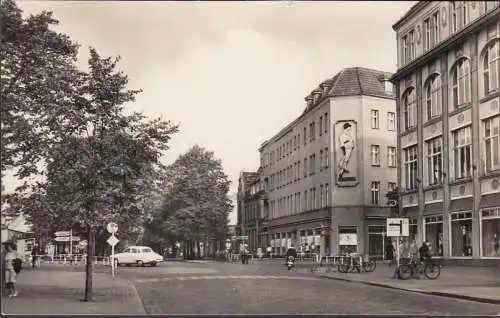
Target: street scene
column 250, row 158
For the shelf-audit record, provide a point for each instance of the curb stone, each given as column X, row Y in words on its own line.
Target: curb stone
column 141, row 302
column 442, row 294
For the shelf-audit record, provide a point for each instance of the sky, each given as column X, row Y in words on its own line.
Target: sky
column 232, row 74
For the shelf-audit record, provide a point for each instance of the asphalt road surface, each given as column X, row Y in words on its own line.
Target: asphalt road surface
column 218, row 288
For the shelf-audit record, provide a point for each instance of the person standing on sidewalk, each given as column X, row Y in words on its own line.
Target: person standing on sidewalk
column 389, row 253
column 10, row 273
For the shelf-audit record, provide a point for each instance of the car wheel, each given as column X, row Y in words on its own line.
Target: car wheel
column 140, row 263
column 153, row 264
column 117, row 263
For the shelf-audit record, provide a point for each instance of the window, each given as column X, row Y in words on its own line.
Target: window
column 462, row 152
column 410, row 109
column 375, row 119
column 408, row 47
column 294, row 143
column 321, row 196
column 313, row 190
column 461, row 233
column 461, row 83
column 454, row 17
column 490, row 228
column 326, row 123
column 433, row 97
column 312, row 162
column 327, row 158
column 327, row 194
column 391, row 157
column 491, row 143
column 305, row 136
column 321, row 160
column 300, row 206
column 305, row 167
column 375, row 191
column 391, row 121
column 434, row 233
column 391, row 186
column 434, row 161
column 410, row 167
column 431, row 31
column 298, row 171
column 388, row 86
column 320, row 125
column 491, row 65
column 375, row 150
column 306, row 204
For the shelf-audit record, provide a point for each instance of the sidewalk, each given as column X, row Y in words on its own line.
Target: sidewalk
column 473, row 283
column 61, row 292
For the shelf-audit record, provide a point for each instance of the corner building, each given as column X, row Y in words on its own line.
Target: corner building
column 447, row 88
column 326, row 173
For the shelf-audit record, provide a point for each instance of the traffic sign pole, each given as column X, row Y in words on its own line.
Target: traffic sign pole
column 113, row 260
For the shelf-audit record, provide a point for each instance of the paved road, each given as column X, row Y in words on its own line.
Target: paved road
column 217, row 288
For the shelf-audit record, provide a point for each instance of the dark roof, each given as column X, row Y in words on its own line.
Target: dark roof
column 417, row 6
column 250, row 177
column 355, row 81
column 352, row 81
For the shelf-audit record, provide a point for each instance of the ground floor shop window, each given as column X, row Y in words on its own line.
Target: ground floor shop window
column 348, row 239
column 461, row 234
column 490, row 228
column 376, row 244
column 317, row 240
column 434, row 233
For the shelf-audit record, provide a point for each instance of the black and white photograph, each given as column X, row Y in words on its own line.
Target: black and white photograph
column 250, row 158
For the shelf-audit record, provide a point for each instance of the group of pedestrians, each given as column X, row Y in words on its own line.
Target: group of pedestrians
column 408, row 251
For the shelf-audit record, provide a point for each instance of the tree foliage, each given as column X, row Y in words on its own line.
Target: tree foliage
column 195, row 204
column 99, row 163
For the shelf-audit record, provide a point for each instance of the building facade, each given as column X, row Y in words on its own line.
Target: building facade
column 447, row 88
column 252, row 207
column 328, row 171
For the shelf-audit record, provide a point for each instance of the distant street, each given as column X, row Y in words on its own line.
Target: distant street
column 219, row 288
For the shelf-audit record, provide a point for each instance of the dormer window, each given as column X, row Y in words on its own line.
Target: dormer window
column 388, row 86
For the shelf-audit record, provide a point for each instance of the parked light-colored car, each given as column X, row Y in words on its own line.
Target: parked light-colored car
column 138, row 255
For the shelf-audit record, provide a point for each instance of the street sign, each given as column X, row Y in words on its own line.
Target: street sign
column 62, row 233
column 113, row 240
column 398, row 227
column 112, row 227
column 67, row 239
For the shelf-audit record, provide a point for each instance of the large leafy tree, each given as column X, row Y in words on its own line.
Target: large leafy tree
column 195, row 206
column 38, row 87
column 98, row 163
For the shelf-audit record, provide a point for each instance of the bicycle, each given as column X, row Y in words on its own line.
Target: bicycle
column 429, row 268
column 367, row 265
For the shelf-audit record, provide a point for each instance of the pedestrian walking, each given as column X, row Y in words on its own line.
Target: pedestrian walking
column 34, row 256
column 259, row 253
column 389, row 253
column 269, row 252
column 12, row 268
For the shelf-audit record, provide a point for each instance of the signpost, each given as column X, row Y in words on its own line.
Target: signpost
column 112, row 228
column 397, row 227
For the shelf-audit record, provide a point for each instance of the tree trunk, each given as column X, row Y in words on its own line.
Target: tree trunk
column 88, row 269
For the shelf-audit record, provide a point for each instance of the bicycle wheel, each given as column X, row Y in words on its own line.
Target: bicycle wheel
column 432, row 271
column 404, row 272
column 369, row 266
column 343, row 268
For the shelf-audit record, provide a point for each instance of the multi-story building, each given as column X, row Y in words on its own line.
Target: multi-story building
column 251, row 208
column 327, row 172
column 447, row 88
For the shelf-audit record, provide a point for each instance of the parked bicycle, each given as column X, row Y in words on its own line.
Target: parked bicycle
column 357, row 262
column 430, row 268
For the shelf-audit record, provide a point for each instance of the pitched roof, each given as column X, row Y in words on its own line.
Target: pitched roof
column 355, row 81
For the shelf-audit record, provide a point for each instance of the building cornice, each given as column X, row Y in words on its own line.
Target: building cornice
column 444, row 46
column 413, row 10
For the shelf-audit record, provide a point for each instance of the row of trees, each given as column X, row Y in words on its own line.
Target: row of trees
column 83, row 160
column 194, row 205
